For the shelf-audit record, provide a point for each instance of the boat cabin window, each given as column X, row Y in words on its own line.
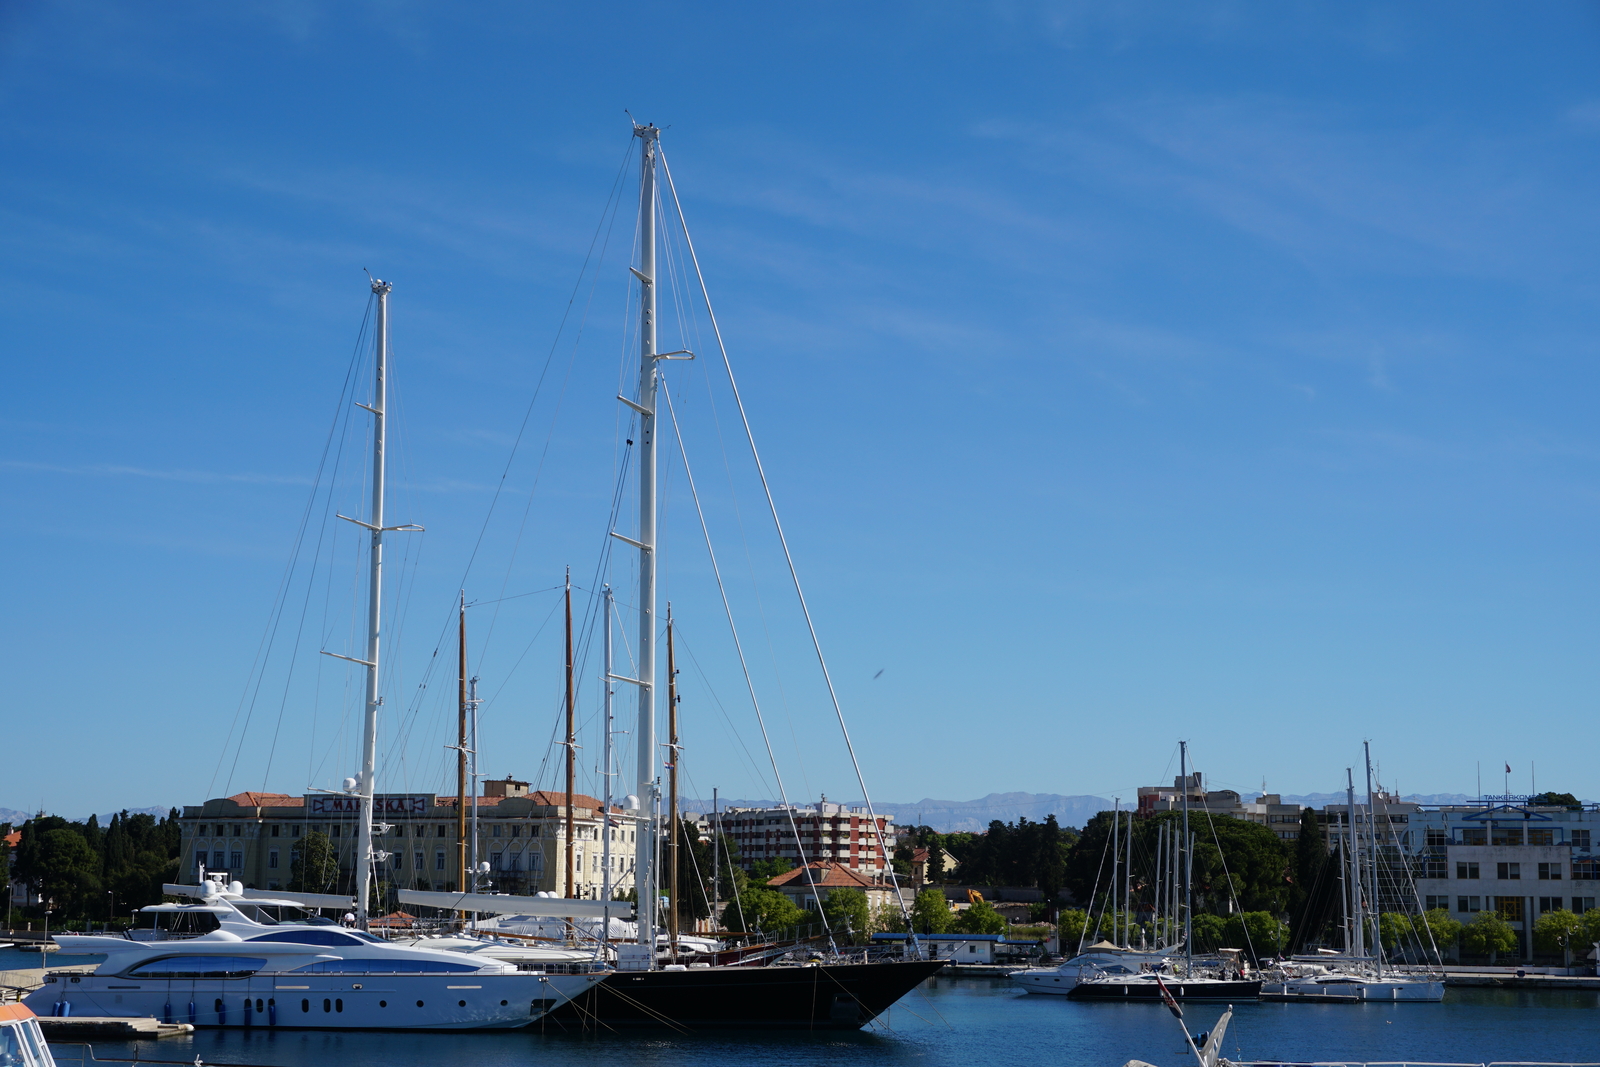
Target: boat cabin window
column 310, row 936
column 11, row 1052
column 390, row 966
column 274, row 914
column 185, row 923
column 199, row 967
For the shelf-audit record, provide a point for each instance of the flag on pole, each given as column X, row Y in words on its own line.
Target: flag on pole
column 1166, row 995
column 1508, row 768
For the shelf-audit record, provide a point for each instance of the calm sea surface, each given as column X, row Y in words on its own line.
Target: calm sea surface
column 971, row 1023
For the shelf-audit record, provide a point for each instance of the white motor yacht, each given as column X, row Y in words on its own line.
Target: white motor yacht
column 1318, row 983
column 233, row 957
column 1101, row 959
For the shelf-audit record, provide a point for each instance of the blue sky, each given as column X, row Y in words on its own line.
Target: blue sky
column 1123, row 372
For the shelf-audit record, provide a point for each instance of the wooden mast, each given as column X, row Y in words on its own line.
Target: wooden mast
column 672, row 788
column 572, row 889
column 462, row 885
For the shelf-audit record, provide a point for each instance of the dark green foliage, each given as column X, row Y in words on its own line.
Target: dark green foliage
column 1251, row 867
column 87, row 873
column 314, row 867
column 848, row 916
column 1565, row 800
column 691, row 897
column 979, row 918
column 930, row 912
column 763, row 871
column 1023, row 853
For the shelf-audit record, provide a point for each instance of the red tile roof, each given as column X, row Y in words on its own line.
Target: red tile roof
column 14, row 838
column 267, row 800
column 827, row 875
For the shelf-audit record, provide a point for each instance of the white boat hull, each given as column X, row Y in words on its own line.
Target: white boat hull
column 1377, row 990
column 319, row 1002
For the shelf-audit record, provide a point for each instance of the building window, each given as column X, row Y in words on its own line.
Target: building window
column 336, row 829
column 236, row 861
column 1582, row 904
column 1585, row 870
column 1506, row 835
column 1437, row 902
column 1541, row 836
column 441, row 831
column 1550, row 872
column 218, row 860
column 200, row 831
column 274, row 829
column 272, row 859
column 1549, row 904
column 1508, row 871
column 294, row 831
column 1510, row 908
column 200, row 858
column 1466, row 870
column 516, row 830
column 496, row 831
column 516, row 861
column 1436, row 838
column 1469, row 905
column 438, row 860
column 1435, row 866
column 237, row 829
column 1474, row 835
column 1580, row 839
column 495, row 860
column 418, row 858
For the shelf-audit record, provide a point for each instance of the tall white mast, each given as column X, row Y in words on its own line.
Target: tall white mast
column 1186, row 859
column 649, row 138
column 1372, row 852
column 605, row 772
column 1357, row 917
column 369, row 730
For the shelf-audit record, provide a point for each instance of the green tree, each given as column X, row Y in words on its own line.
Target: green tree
column 1257, row 932
column 314, row 865
column 930, row 912
column 769, row 910
column 979, row 918
column 1208, row 933
column 1555, row 931
column 1070, row 924
column 1589, row 933
column 762, row 871
column 1564, row 800
column 691, row 895
column 1444, row 930
column 1394, row 930
column 847, row 914
column 1488, row 935
column 70, row 876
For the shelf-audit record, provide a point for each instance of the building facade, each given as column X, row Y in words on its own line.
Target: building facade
column 1269, row 809
column 1508, row 856
column 831, row 833
column 253, row 838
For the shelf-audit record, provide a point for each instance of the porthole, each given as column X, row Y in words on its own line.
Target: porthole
column 327, row 1005
column 305, row 1005
column 419, row 1003
column 383, row 1003
column 461, row 1003
column 503, row 1003
column 338, row 1005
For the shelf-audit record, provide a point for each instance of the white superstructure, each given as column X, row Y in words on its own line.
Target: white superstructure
column 228, row 959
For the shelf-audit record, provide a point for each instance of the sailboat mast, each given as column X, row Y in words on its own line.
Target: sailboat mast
column 1127, row 883
column 461, row 750
column 1116, row 858
column 1372, row 852
column 645, row 864
column 1188, row 904
column 472, row 827
column 1357, row 916
column 672, row 787
column 369, row 729
column 572, row 750
column 605, row 745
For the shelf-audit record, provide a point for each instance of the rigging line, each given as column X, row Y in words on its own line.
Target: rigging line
column 275, row 615
column 608, row 209
column 816, row 644
column 717, row 700
column 716, row 570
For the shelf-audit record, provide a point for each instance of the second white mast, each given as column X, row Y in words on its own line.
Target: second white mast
column 645, row 861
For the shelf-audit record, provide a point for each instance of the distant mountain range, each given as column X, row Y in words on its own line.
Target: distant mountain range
column 17, row 818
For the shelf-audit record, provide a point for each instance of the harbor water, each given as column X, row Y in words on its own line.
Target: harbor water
column 968, row 1022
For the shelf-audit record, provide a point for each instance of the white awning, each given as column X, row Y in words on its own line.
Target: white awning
column 496, row 904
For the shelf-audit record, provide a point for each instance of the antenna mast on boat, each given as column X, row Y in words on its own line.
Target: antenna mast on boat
column 1358, row 920
column 1372, row 851
column 605, row 773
